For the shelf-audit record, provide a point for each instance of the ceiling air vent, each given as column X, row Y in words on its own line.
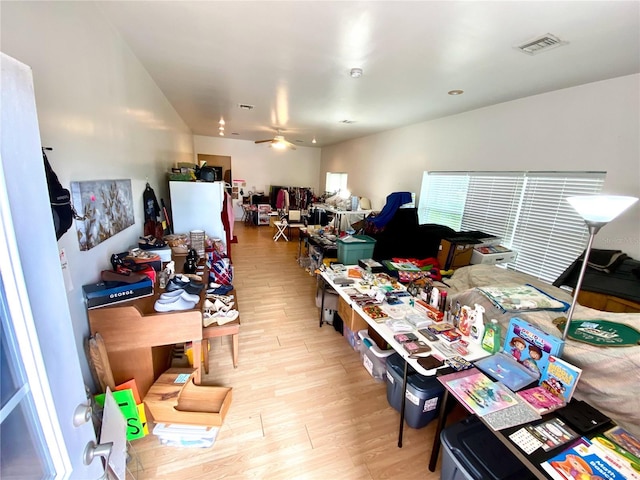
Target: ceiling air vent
column 540, row 44
column 244, row 106
column 347, row 121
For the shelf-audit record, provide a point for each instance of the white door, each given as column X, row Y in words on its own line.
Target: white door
column 41, row 384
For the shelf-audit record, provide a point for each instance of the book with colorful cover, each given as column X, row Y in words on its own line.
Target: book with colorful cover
column 560, row 378
column 624, row 439
column 582, row 460
column 531, row 346
column 541, row 399
column 628, row 460
column 481, row 395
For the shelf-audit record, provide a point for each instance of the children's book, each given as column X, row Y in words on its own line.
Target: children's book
column 627, row 459
column 624, row 439
column 531, row 346
column 541, row 399
column 582, row 460
column 560, row 378
column 481, row 395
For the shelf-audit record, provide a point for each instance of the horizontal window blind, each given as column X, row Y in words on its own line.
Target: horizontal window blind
column 527, row 210
column 442, row 199
column 550, row 234
column 492, row 204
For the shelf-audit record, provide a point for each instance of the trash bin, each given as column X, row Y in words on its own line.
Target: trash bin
column 472, row 452
column 423, row 394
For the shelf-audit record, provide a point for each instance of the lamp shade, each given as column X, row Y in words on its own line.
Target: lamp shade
column 600, row 208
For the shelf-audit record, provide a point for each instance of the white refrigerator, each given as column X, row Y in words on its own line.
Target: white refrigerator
column 198, row 206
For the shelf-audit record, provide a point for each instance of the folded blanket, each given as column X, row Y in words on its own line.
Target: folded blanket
column 604, row 260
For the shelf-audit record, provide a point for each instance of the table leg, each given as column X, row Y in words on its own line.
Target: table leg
column 442, row 420
column 324, row 289
column 234, row 339
column 402, row 404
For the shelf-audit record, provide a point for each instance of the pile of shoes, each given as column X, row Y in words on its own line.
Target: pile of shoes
column 218, row 289
column 219, row 310
column 149, row 242
column 181, row 294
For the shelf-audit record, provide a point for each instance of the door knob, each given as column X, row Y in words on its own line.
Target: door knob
column 93, row 450
column 82, row 414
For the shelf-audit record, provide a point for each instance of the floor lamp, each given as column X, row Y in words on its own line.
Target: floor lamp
column 597, row 211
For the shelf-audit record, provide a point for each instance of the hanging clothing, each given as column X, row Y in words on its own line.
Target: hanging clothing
column 151, row 207
column 280, row 199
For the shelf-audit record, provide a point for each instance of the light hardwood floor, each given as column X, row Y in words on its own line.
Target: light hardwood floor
column 303, row 405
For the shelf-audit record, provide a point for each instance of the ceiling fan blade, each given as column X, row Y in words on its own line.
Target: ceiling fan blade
column 264, row 141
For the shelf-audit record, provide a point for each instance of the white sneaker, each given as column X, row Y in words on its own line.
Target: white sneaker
column 171, row 296
column 178, row 303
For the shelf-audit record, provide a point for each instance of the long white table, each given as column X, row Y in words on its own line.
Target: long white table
column 338, row 214
column 475, row 351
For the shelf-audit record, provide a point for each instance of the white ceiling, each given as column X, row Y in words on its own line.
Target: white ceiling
column 291, row 60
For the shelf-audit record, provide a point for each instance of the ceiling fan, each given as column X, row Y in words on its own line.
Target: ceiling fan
column 278, row 142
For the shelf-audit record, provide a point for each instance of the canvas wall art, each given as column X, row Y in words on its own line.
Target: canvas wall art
column 107, row 208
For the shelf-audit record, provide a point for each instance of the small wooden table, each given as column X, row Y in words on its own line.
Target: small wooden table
column 214, row 330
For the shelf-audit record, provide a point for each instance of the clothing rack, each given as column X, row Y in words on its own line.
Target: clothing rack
column 299, row 198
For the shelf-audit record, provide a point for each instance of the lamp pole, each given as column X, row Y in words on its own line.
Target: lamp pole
column 594, row 227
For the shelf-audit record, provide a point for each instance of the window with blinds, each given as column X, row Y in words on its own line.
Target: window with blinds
column 527, row 210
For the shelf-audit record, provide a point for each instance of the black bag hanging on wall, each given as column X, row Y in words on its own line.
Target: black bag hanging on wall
column 60, row 199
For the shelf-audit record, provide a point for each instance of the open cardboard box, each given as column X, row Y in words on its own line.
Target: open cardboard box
column 185, row 402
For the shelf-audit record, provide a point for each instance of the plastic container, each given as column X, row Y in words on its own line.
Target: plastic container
column 472, row 452
column 491, row 338
column 352, row 338
column 423, row 395
column 349, row 252
column 373, row 357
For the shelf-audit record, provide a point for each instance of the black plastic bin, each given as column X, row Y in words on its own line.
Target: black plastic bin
column 424, row 394
column 470, row 451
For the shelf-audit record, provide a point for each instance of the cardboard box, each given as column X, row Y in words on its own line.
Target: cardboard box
column 455, row 253
column 102, row 294
column 174, row 398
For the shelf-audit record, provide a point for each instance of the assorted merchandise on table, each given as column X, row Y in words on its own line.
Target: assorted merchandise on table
column 516, row 382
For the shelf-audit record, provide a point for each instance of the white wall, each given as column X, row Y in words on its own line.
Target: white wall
column 261, row 166
column 103, row 115
column 590, row 127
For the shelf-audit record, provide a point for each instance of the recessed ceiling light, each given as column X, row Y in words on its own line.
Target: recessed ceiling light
column 356, row 72
column 221, row 128
column 314, row 140
column 221, row 122
column 455, row 92
column 221, row 133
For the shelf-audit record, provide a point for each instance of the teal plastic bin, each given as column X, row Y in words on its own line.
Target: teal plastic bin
column 355, row 247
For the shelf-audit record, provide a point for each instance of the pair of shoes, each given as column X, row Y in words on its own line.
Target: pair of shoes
column 220, row 317
column 168, row 297
column 149, row 242
column 184, row 283
column 221, row 290
column 173, row 304
column 223, row 298
column 216, row 306
column 228, row 316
